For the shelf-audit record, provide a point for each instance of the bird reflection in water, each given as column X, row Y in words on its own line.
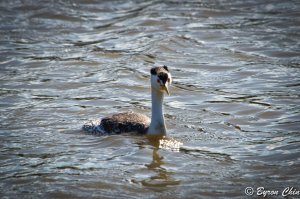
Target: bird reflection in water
column 163, row 177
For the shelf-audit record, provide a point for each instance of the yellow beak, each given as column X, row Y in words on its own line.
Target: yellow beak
column 165, row 88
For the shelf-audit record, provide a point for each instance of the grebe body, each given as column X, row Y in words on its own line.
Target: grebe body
column 135, row 122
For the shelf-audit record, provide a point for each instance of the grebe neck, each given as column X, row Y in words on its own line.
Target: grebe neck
column 157, row 126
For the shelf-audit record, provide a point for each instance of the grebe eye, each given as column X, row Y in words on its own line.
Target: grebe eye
column 158, row 81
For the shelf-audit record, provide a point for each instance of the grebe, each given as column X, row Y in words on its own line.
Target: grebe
column 136, row 122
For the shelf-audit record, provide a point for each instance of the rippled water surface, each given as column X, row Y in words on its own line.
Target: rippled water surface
column 234, row 102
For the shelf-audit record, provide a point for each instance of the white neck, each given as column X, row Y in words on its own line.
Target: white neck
column 157, row 125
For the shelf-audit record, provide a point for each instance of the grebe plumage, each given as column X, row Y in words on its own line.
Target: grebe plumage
column 136, row 122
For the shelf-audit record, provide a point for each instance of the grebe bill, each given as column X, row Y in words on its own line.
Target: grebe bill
column 135, row 122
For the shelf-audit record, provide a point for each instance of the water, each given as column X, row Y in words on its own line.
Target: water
column 234, row 102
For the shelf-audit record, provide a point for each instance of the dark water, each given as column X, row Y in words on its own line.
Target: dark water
column 234, row 103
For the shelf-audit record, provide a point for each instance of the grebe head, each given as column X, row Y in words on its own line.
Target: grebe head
column 161, row 79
